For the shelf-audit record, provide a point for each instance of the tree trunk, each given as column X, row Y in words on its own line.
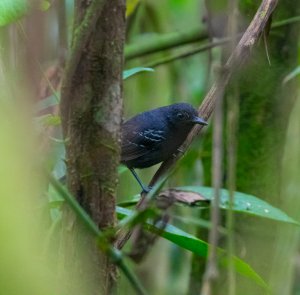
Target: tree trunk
column 91, row 109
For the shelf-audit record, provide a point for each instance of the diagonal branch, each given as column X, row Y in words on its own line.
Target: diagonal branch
column 238, row 57
column 234, row 62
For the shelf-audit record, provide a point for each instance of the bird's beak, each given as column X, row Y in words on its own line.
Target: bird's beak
column 198, row 120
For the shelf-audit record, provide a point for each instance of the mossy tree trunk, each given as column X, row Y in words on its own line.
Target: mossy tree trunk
column 91, row 109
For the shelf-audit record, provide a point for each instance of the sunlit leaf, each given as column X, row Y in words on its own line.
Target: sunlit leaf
column 49, row 120
column 198, row 247
column 45, row 5
column 122, row 169
column 12, row 10
column 129, row 203
column 133, row 71
column 131, row 6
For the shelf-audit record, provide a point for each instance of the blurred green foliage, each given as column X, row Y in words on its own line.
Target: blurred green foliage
column 266, row 252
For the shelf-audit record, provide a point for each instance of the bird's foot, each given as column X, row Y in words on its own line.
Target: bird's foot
column 180, row 151
column 146, row 189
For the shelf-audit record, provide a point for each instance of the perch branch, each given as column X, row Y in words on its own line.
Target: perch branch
column 234, row 62
column 237, row 58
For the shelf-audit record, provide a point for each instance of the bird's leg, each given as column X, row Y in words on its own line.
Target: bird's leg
column 145, row 189
column 179, row 150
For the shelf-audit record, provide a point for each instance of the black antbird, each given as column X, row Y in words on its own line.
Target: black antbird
column 154, row 136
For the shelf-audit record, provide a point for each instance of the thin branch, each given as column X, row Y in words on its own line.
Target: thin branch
column 216, row 43
column 285, row 22
column 235, row 61
column 211, row 271
column 172, row 40
column 232, row 121
column 189, row 52
column 232, row 114
column 163, row 42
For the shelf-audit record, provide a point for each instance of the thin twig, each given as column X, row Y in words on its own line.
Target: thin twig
column 163, row 42
column 232, row 103
column 232, row 119
column 235, row 61
column 171, row 40
column 189, row 52
column 216, row 43
column 211, row 271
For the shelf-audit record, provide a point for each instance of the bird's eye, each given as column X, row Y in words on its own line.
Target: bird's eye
column 180, row 116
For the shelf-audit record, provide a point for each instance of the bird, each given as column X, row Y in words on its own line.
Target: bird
column 154, row 136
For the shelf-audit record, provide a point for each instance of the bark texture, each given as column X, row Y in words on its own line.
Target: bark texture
column 91, row 109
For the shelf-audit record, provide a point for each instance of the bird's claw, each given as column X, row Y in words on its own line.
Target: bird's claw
column 146, row 189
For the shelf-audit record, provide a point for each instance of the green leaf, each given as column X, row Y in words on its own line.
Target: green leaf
column 12, row 10
column 56, row 204
column 129, row 203
column 45, row 5
column 49, row 120
column 131, row 6
column 198, row 247
column 243, row 203
column 133, row 71
column 122, row 169
column 201, row 248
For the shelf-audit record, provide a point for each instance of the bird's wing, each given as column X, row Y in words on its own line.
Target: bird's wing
column 137, row 144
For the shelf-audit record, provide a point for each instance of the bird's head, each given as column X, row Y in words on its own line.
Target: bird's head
column 183, row 114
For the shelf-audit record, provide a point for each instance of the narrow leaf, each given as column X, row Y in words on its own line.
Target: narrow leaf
column 291, row 75
column 198, row 247
column 122, row 169
column 131, row 6
column 133, row 71
column 243, row 203
column 12, row 10
column 49, row 120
